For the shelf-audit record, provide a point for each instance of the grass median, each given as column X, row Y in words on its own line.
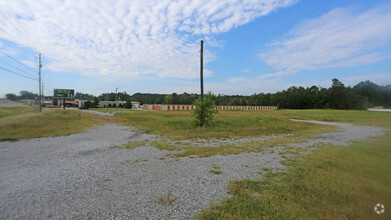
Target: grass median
column 19, row 122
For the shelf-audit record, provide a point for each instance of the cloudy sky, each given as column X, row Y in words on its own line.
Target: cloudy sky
column 251, row 46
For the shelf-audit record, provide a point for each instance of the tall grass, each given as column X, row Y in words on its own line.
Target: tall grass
column 26, row 122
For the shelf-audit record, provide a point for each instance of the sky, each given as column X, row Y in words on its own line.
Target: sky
column 250, row 46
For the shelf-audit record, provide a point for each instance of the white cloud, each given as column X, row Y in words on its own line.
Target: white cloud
column 246, row 70
column 339, row 38
column 237, row 79
column 126, row 37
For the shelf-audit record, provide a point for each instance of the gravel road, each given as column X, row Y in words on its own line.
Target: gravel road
column 81, row 177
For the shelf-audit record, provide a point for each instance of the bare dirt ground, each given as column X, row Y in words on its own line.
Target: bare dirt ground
column 81, row 176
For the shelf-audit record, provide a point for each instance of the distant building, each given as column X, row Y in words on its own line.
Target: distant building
column 109, row 104
column 68, row 103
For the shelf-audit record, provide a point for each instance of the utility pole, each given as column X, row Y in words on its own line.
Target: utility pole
column 40, row 92
column 202, row 70
column 116, row 97
column 43, row 93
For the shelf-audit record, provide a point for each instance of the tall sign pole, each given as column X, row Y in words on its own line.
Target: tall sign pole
column 202, row 71
column 40, row 94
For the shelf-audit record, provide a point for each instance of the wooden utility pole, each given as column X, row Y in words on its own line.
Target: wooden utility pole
column 202, row 70
column 116, row 97
column 40, row 92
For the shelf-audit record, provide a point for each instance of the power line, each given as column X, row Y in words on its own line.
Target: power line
column 17, row 61
column 15, row 67
column 18, row 74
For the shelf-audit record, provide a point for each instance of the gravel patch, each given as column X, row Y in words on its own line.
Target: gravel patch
column 81, row 176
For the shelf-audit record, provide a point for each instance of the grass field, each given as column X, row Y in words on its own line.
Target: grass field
column 328, row 183
column 18, row 122
column 227, row 124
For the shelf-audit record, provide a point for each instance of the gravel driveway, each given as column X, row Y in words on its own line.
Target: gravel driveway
column 81, row 177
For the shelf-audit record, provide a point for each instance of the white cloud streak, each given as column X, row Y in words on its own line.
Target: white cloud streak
column 339, row 38
column 126, row 37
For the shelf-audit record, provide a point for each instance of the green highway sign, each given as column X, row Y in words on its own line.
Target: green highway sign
column 64, row 93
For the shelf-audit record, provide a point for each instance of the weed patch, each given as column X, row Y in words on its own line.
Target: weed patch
column 167, row 199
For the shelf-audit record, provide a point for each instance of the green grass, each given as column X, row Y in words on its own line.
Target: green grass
column 330, row 182
column 231, row 124
column 216, row 172
column 348, row 116
column 227, row 124
column 18, row 122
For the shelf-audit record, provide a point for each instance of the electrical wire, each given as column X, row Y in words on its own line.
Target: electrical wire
column 15, row 67
column 17, row 61
column 18, row 74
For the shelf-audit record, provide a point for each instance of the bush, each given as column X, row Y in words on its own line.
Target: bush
column 128, row 103
column 205, row 110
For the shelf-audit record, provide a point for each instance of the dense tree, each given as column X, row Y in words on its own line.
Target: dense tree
column 83, row 96
column 27, row 95
column 376, row 95
column 338, row 96
column 11, row 96
column 95, row 102
column 128, row 103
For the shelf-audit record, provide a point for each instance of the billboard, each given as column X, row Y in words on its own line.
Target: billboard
column 64, row 93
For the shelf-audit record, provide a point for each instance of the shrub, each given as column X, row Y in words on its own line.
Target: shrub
column 204, row 111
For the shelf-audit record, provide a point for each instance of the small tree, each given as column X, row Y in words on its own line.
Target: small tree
column 204, row 111
column 95, row 103
column 128, row 103
column 55, row 102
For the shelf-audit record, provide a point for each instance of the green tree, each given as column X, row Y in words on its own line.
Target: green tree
column 128, row 103
column 11, row 96
column 204, row 111
column 95, row 103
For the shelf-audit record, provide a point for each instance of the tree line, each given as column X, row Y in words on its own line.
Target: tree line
column 338, row 96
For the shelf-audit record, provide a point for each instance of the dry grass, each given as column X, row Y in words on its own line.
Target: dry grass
column 250, row 146
column 327, row 183
column 167, row 199
column 26, row 122
column 227, row 124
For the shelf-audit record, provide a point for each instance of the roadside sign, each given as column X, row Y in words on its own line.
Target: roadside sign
column 64, row 93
